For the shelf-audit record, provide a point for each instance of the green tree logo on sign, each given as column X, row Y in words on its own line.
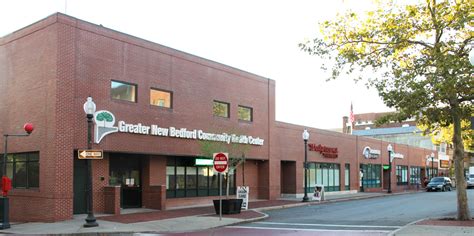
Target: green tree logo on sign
column 105, row 122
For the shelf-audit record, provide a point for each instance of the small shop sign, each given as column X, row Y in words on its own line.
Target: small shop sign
column 370, row 153
column 325, row 151
column 243, row 193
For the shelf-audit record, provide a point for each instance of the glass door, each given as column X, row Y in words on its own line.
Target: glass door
column 125, row 171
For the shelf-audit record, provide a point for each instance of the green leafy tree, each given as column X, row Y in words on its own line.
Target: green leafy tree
column 416, row 56
column 440, row 134
column 236, row 155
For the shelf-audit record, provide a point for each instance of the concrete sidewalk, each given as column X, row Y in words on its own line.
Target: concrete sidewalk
column 190, row 219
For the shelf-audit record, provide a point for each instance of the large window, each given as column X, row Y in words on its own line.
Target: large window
column 123, row 91
column 184, row 179
column 432, row 172
column 160, row 98
column 23, row 169
column 372, row 175
column 415, row 175
column 326, row 174
column 402, row 175
column 245, row 113
column 347, row 177
column 221, row 109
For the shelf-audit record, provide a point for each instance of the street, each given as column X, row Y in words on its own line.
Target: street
column 374, row 216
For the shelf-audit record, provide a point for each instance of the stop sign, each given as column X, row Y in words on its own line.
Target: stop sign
column 220, row 162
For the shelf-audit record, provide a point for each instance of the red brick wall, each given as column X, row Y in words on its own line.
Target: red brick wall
column 28, row 85
column 251, row 177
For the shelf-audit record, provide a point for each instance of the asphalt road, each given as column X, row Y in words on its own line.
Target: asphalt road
column 374, row 215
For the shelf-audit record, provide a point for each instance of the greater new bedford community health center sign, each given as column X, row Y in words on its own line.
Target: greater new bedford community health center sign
column 105, row 121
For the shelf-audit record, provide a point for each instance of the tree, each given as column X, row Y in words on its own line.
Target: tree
column 236, row 155
column 445, row 134
column 416, row 56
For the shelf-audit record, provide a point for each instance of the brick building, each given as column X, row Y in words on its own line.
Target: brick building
column 156, row 106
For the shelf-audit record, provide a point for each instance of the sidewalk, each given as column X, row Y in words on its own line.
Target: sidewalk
column 194, row 219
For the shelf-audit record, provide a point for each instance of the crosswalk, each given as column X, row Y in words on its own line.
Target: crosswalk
column 335, row 228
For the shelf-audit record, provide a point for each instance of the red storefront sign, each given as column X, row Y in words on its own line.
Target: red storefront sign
column 328, row 152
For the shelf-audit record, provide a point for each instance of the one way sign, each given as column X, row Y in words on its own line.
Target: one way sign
column 90, row 154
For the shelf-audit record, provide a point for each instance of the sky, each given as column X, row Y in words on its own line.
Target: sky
column 260, row 37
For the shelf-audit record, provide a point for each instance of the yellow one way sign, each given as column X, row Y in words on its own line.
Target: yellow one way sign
column 90, row 154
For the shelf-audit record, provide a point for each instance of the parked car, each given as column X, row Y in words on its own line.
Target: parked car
column 439, row 183
column 470, row 181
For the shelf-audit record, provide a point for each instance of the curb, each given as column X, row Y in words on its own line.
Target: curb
column 328, row 201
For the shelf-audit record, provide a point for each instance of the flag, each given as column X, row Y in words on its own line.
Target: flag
column 351, row 116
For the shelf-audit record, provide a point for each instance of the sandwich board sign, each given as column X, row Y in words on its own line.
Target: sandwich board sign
column 243, row 193
column 318, row 194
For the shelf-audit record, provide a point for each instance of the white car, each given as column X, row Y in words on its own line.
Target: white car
column 470, row 181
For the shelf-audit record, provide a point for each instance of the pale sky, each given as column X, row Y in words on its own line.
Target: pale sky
column 258, row 36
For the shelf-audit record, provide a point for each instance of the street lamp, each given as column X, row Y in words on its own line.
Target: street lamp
column 390, row 150
column 89, row 109
column 305, row 139
column 6, row 182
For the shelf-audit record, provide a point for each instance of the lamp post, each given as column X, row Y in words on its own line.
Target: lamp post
column 390, row 150
column 89, row 109
column 305, row 139
column 6, row 182
column 432, row 165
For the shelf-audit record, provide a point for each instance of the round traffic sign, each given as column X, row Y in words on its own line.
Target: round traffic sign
column 220, row 162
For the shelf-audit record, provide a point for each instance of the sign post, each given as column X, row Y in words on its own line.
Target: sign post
column 220, row 166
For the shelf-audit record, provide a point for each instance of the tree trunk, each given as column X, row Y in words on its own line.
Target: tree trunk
column 463, row 208
column 227, row 187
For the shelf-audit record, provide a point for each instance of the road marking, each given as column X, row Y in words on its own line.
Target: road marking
column 316, row 230
column 325, row 225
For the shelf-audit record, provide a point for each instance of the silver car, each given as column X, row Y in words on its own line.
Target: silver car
column 470, row 181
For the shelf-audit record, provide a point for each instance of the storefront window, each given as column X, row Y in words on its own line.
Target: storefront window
column 123, row 91
column 312, row 175
column 192, row 181
column 326, row 174
column 221, row 109
column 23, row 169
column 432, row 172
column 402, row 175
column 180, row 181
column 415, row 175
column 372, row 175
column 203, row 180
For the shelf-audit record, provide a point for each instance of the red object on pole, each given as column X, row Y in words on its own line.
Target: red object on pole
column 6, row 185
column 28, row 127
column 220, row 162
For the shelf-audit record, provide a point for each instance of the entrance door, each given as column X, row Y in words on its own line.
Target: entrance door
column 386, row 174
column 125, row 170
column 79, row 186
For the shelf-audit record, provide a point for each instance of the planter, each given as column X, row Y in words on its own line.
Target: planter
column 229, row 206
